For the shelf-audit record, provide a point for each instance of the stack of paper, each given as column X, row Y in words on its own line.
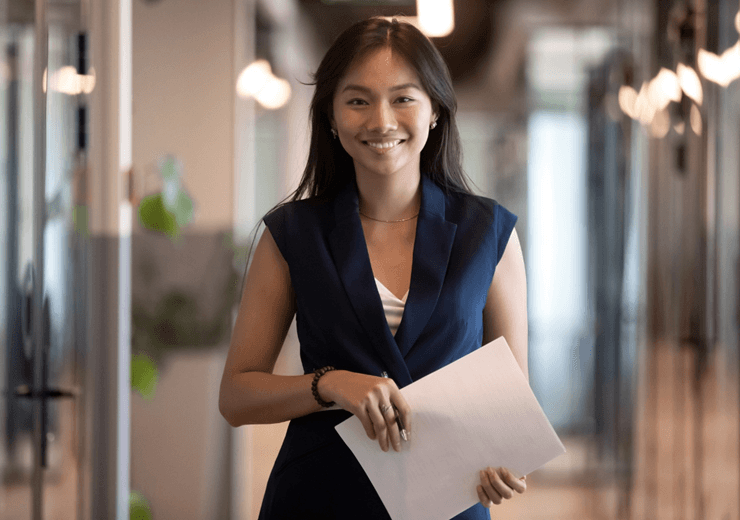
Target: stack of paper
column 476, row 412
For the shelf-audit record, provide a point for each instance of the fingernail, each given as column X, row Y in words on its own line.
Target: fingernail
column 404, row 435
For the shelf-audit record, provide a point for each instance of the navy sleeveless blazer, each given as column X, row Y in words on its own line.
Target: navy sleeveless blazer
column 340, row 321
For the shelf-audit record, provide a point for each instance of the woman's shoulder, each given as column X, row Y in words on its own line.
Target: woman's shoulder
column 298, row 214
column 470, row 206
column 478, row 217
column 295, row 218
column 302, row 207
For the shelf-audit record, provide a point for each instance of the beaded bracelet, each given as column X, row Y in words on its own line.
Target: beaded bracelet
column 316, row 376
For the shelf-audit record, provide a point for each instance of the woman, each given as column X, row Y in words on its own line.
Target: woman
column 389, row 229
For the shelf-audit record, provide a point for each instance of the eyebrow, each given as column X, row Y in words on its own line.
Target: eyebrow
column 366, row 90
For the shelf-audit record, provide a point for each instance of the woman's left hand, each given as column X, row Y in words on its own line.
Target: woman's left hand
column 497, row 484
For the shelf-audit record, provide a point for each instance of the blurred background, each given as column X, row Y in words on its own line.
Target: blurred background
column 141, row 141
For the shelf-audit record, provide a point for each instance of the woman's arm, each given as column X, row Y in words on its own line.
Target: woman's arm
column 505, row 313
column 251, row 394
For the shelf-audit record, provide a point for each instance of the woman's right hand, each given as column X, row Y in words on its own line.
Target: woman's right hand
column 365, row 396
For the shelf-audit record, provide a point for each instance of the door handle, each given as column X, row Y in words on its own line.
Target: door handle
column 44, row 393
column 24, row 391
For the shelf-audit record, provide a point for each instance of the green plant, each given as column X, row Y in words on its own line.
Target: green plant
column 138, row 507
column 176, row 320
column 167, row 212
column 172, row 209
column 144, row 375
column 173, row 318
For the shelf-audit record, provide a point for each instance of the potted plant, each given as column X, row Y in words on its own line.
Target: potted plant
column 183, row 292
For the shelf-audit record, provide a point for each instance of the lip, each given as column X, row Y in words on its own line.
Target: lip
column 383, row 145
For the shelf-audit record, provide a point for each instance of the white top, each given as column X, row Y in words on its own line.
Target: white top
column 392, row 306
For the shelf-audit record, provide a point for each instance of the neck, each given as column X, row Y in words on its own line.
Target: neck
column 389, row 198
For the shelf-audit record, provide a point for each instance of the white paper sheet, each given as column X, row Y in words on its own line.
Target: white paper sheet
column 476, row 412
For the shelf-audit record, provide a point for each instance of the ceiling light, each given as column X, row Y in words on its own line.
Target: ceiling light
column 253, row 78
column 274, row 94
column 665, row 88
column 721, row 70
column 627, row 100
column 645, row 106
column 661, row 124
column 695, row 119
column 690, row 83
column 436, row 17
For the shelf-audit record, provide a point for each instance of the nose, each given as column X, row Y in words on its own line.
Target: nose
column 382, row 119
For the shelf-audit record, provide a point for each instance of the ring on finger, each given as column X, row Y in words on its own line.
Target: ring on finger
column 384, row 408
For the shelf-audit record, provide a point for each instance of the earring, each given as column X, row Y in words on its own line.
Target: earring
column 334, row 132
column 433, row 125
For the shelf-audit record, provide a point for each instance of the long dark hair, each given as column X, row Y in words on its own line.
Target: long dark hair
column 329, row 166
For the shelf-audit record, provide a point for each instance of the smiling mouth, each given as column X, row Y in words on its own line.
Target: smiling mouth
column 383, row 146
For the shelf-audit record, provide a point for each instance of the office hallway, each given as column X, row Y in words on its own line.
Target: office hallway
column 685, row 461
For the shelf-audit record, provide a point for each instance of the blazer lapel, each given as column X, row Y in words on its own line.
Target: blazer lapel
column 432, row 247
column 349, row 251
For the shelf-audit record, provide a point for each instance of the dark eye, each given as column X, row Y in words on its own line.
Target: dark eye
column 356, row 101
column 404, row 99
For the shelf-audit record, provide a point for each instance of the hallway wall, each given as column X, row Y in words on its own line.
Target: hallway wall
column 183, row 100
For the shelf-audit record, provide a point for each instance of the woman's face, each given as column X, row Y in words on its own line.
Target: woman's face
column 382, row 115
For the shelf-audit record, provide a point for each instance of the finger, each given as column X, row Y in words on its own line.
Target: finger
column 368, row 425
column 381, row 428
column 393, row 433
column 484, row 500
column 403, row 409
column 488, row 488
column 517, row 484
column 503, row 489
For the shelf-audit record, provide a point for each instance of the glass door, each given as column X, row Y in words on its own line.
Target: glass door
column 42, row 346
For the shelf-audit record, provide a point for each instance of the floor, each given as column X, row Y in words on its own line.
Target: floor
column 564, row 490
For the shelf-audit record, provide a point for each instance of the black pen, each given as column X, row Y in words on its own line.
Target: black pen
column 398, row 416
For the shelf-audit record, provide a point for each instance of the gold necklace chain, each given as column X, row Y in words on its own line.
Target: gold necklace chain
column 388, row 221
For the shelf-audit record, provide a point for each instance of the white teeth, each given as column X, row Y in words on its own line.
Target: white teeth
column 383, row 146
